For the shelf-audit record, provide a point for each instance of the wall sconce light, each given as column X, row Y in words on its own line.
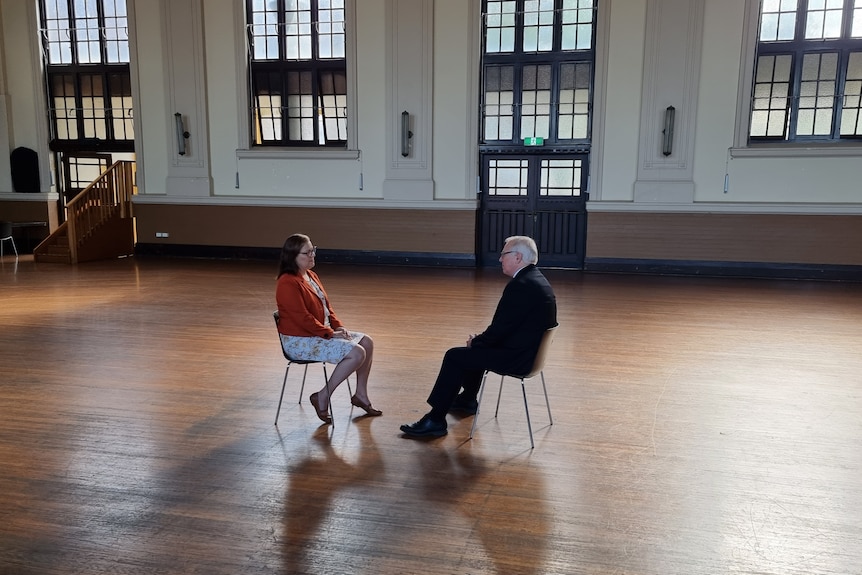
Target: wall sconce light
column 182, row 135
column 667, row 138
column 406, row 134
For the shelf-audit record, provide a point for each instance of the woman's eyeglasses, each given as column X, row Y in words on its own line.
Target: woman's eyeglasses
column 310, row 252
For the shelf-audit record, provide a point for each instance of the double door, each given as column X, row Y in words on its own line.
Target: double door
column 541, row 195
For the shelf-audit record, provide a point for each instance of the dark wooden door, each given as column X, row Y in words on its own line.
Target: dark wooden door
column 542, row 195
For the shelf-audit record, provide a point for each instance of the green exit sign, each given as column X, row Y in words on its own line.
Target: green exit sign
column 534, row 141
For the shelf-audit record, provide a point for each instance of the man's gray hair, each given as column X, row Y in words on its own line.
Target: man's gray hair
column 525, row 246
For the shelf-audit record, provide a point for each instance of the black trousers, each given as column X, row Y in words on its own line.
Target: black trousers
column 462, row 368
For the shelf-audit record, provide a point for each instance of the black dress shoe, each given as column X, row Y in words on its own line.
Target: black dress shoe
column 425, row 427
column 464, row 405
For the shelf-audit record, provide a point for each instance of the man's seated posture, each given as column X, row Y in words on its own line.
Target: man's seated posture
column 525, row 311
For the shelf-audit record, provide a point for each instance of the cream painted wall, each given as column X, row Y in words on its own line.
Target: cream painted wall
column 223, row 90
column 765, row 180
column 625, row 69
column 455, row 99
column 820, row 182
column 370, row 87
column 312, row 178
column 151, row 105
column 759, row 180
column 266, row 176
column 25, row 103
column 5, row 131
column 716, row 108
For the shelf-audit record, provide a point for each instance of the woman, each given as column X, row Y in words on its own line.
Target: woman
column 310, row 330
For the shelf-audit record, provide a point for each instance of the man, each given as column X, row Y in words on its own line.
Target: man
column 525, row 311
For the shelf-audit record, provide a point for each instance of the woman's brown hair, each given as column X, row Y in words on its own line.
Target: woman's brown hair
column 292, row 246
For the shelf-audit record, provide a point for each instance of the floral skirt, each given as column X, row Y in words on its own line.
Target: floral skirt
column 319, row 349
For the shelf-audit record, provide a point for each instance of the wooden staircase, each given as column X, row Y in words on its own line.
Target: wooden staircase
column 99, row 221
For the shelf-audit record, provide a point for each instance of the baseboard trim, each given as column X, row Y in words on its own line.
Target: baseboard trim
column 760, row 270
column 324, row 256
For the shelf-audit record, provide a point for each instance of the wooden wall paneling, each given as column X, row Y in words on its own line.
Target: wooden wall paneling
column 395, row 230
column 775, row 238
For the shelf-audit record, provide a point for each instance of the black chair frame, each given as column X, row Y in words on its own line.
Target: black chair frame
column 306, row 363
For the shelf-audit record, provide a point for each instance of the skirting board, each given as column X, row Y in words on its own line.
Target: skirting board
column 596, row 265
column 726, row 269
column 327, row 256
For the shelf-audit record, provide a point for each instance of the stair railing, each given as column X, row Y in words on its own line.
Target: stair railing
column 109, row 196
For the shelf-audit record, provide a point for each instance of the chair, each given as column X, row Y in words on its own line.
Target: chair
column 537, row 369
column 291, row 361
column 6, row 234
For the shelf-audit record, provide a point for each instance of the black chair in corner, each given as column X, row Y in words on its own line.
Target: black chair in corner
column 291, row 361
column 538, row 367
column 6, row 235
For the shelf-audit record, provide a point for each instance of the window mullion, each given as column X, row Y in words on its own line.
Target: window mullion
column 108, row 93
column 801, row 20
column 838, row 99
column 100, row 22
column 73, row 33
column 79, row 105
column 558, row 27
column 520, row 21
column 517, row 101
column 282, row 31
column 796, row 94
column 315, row 71
column 554, row 103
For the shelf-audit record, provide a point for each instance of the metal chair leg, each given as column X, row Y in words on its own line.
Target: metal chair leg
column 527, row 411
column 281, row 397
column 302, row 388
column 15, row 249
column 499, row 395
column 547, row 401
column 305, row 373
column 329, row 395
column 526, row 404
column 478, row 404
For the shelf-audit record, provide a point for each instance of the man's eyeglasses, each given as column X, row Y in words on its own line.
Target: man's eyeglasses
column 508, row 252
column 310, row 252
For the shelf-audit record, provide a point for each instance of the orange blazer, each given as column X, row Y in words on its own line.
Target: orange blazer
column 300, row 311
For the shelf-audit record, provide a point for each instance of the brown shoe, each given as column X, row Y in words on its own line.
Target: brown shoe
column 321, row 413
column 366, row 406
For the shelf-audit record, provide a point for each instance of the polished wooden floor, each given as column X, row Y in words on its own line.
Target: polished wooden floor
column 701, row 427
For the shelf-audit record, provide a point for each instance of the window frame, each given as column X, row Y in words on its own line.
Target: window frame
column 519, row 60
column 797, row 49
column 280, row 68
column 109, row 74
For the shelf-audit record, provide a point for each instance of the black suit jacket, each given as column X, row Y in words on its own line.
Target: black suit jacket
column 525, row 311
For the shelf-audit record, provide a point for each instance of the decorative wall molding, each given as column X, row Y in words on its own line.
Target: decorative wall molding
column 410, row 87
column 185, row 63
column 672, row 60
